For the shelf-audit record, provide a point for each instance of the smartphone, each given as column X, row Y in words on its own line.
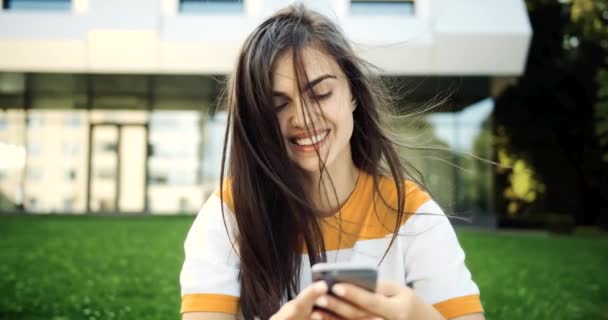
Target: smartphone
column 363, row 276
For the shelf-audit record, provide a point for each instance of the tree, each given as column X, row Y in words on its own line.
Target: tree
column 551, row 120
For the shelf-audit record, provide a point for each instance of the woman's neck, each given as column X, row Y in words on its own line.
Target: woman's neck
column 339, row 176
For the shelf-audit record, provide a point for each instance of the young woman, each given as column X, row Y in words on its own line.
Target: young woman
column 314, row 177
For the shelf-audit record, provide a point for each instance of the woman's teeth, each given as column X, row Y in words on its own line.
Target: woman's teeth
column 309, row 141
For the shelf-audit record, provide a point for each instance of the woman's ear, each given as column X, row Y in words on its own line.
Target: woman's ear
column 353, row 103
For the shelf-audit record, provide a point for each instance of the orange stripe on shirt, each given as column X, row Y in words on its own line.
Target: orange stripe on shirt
column 209, row 303
column 367, row 216
column 459, row 306
column 226, row 194
column 415, row 197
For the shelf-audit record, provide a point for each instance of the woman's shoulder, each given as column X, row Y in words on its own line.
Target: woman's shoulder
column 415, row 194
column 223, row 193
column 218, row 207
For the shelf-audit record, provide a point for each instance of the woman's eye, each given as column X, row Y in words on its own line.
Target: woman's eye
column 280, row 106
column 322, row 96
column 280, row 103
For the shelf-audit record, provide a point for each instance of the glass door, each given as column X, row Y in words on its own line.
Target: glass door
column 117, row 168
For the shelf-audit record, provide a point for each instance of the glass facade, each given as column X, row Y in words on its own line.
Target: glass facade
column 101, row 165
column 159, row 151
column 462, row 177
column 174, row 165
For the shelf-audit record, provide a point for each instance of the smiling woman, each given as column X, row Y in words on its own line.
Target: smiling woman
column 312, row 176
column 318, row 136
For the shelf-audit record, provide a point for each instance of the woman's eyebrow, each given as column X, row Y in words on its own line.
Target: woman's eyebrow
column 318, row 80
column 309, row 86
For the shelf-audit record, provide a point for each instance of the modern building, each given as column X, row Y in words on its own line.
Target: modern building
column 104, row 103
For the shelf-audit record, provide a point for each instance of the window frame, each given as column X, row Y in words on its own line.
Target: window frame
column 382, row 7
column 61, row 5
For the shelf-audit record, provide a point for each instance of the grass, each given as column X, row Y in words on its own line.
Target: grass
column 59, row 267
column 539, row 276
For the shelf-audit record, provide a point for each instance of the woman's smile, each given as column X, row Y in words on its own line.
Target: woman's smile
column 308, row 143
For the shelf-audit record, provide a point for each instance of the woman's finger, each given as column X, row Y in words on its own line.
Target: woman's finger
column 340, row 307
column 388, row 289
column 301, row 306
column 306, row 298
column 322, row 315
column 368, row 301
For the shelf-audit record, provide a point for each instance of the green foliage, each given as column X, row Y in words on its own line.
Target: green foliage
column 549, row 121
column 601, row 112
column 128, row 268
column 524, row 186
column 5, row 202
column 591, row 18
column 560, row 223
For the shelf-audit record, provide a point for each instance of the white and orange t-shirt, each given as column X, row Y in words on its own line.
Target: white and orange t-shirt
column 426, row 254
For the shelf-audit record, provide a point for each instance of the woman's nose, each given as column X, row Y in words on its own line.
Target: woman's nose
column 302, row 114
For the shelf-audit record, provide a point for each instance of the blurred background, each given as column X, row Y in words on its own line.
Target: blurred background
column 108, row 148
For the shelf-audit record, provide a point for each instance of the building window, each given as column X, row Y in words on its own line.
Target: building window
column 107, row 147
column 184, row 205
column 70, row 175
column 71, row 149
column 183, row 151
column 3, row 123
column 68, row 204
column 382, row 7
column 34, row 149
column 157, row 177
column 106, row 173
column 32, row 203
column 35, row 121
column 34, row 173
column 211, row 6
column 72, row 121
column 37, row 4
column 160, row 123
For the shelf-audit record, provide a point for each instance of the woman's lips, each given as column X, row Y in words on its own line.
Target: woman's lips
column 306, row 143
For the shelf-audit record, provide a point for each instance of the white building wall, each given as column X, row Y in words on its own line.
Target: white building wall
column 465, row 37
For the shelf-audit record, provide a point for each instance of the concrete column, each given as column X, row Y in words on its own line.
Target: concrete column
column 170, row 8
column 80, row 6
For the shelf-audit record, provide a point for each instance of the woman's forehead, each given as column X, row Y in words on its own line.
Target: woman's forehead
column 315, row 62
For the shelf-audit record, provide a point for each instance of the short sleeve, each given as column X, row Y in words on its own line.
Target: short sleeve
column 435, row 263
column 209, row 276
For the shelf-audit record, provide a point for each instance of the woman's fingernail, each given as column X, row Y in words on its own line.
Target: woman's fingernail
column 321, row 302
column 338, row 290
column 321, row 286
column 316, row 316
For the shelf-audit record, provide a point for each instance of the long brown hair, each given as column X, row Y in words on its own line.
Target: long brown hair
column 272, row 208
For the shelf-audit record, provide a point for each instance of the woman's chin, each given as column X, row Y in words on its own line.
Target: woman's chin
column 308, row 166
column 310, row 163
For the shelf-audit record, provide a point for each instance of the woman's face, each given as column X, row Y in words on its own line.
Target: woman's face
column 330, row 124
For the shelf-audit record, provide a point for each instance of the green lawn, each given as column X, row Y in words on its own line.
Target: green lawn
column 58, row 267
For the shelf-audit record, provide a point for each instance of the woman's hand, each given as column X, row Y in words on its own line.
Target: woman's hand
column 390, row 302
column 301, row 307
